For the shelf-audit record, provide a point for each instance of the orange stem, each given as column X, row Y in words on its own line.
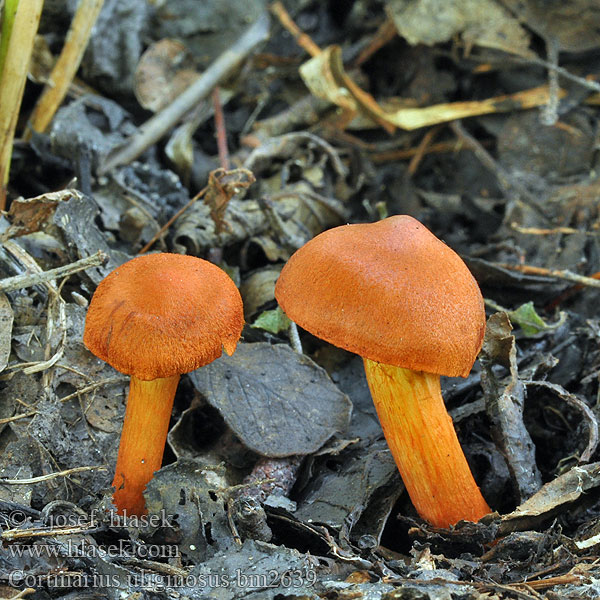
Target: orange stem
column 143, row 438
column 423, row 442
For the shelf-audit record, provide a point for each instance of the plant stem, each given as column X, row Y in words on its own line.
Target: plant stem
column 66, row 66
column 424, row 445
column 8, row 18
column 143, row 438
column 19, row 46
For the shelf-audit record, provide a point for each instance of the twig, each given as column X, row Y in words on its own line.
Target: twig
column 92, row 386
column 56, row 319
column 549, row 114
column 568, row 293
column 294, row 337
column 302, row 39
column 425, row 143
column 562, row 274
column 552, row 231
column 542, row 584
column 17, row 417
column 220, row 130
column 66, row 66
column 172, row 220
column 405, row 153
column 41, row 478
column 153, row 129
column 385, row 33
column 487, row 161
column 586, row 83
column 231, row 522
column 10, row 535
column 28, row 279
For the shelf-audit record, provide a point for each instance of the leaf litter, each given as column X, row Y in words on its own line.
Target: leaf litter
column 276, row 482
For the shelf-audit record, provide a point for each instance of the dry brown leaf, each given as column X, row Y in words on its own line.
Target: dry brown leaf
column 164, row 71
column 222, row 186
column 31, row 214
column 479, row 22
column 573, row 24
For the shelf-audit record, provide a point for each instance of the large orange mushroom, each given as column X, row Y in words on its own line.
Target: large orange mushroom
column 399, row 297
column 153, row 318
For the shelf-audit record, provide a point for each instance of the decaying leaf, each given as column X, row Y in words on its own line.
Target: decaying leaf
column 573, row 25
column 222, row 186
column 551, row 497
column 292, row 207
column 188, row 489
column 31, row 214
column 479, row 22
column 164, row 70
column 356, row 488
column 505, row 403
column 278, row 402
column 258, row 290
column 75, row 219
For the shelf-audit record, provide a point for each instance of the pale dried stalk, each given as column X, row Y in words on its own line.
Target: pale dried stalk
column 12, row 81
column 64, row 473
column 29, row 279
column 66, row 66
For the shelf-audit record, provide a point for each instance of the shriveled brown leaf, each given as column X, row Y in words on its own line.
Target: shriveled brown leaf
column 165, row 69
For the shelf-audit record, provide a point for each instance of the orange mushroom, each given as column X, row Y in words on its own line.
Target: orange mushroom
column 399, row 297
column 153, row 318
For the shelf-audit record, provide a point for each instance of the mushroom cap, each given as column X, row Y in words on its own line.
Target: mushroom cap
column 159, row 315
column 389, row 291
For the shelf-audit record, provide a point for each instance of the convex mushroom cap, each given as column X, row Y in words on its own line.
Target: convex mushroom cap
column 389, row 291
column 159, row 315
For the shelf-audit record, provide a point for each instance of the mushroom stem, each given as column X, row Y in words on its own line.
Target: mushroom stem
column 423, row 442
column 143, row 440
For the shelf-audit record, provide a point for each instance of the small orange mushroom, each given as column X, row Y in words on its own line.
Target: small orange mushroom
column 399, row 297
column 153, row 318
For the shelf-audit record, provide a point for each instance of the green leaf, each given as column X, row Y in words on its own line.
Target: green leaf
column 530, row 322
column 273, row 321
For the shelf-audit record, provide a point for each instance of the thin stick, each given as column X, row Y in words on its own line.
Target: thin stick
column 562, row 274
column 64, row 473
column 295, row 337
column 385, row 33
column 550, row 111
column 425, row 143
column 66, row 66
column 92, row 386
column 220, row 130
column 488, row 161
column 302, row 39
column 153, row 129
column 172, row 220
column 17, row 417
column 28, row 279
column 10, row 535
